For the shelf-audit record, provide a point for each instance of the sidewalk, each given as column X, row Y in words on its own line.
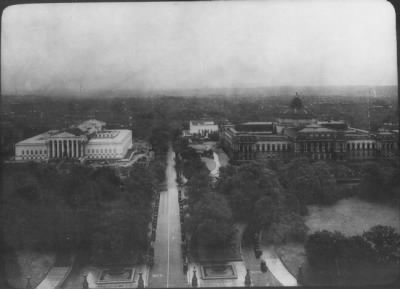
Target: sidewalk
column 258, row 278
column 276, row 267
column 54, row 278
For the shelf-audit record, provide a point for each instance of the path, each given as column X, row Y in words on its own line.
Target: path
column 215, row 172
column 168, row 266
column 276, row 267
column 54, row 278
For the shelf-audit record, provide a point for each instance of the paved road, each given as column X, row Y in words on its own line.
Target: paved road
column 168, row 266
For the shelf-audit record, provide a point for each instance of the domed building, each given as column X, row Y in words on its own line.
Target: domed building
column 296, row 117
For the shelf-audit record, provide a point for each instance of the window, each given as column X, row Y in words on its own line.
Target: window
column 273, row 147
column 268, row 147
column 45, row 152
column 22, row 152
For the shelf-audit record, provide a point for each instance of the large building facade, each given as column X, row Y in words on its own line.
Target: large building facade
column 202, row 127
column 297, row 132
column 88, row 140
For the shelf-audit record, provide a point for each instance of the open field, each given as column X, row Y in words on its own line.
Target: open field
column 352, row 217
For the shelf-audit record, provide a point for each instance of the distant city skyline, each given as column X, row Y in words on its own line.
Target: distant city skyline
column 74, row 47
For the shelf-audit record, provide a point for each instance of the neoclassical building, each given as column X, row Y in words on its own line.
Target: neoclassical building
column 202, row 127
column 297, row 132
column 88, row 140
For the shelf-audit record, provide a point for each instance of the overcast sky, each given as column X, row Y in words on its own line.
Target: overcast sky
column 55, row 47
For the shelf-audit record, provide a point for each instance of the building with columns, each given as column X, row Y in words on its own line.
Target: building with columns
column 202, row 127
column 88, row 140
column 296, row 132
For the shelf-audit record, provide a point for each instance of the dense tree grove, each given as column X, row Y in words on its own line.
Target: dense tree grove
column 83, row 208
column 210, row 220
column 380, row 182
column 380, row 243
column 311, row 183
column 258, row 199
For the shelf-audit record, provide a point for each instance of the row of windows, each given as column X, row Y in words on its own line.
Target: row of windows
column 388, row 146
column 102, row 157
column 106, row 150
column 321, row 135
column 32, row 158
column 272, row 147
column 359, row 146
column 34, row 152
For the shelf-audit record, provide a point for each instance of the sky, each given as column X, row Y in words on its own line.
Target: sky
column 86, row 47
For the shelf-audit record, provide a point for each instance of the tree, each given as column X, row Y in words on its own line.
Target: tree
column 383, row 239
column 323, row 249
column 211, row 220
column 159, row 139
column 245, row 185
column 372, row 181
column 264, row 211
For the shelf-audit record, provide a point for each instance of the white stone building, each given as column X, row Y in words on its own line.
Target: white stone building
column 202, row 128
column 89, row 140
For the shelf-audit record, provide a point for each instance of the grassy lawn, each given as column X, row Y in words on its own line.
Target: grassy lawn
column 28, row 263
column 351, row 217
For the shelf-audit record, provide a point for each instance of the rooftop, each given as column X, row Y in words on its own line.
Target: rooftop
column 255, row 127
column 202, row 122
column 315, row 128
column 117, row 136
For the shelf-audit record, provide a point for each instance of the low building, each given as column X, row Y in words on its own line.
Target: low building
column 88, row 140
column 202, row 127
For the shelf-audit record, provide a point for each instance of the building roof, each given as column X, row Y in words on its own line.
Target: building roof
column 296, row 110
column 202, row 122
column 117, row 136
column 259, row 127
column 37, row 139
column 315, row 128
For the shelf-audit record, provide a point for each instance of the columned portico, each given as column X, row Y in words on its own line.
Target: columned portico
column 65, row 147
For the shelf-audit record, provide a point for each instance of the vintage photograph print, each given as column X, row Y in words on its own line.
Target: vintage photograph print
column 199, row 144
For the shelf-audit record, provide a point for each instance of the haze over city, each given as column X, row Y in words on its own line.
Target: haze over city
column 83, row 48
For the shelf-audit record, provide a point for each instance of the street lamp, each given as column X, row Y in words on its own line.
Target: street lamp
column 247, row 280
column 140, row 281
column 28, row 283
column 85, row 284
column 194, row 278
